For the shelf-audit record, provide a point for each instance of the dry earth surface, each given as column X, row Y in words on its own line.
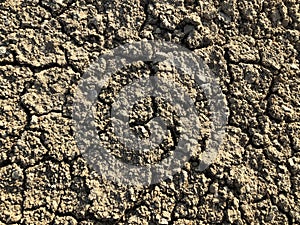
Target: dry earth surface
column 251, row 45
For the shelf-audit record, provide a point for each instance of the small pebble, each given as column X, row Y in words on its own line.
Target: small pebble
column 2, row 50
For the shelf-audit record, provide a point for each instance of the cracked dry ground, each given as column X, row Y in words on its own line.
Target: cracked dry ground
column 252, row 46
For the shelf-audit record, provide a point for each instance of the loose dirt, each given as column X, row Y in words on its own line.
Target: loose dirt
column 252, row 46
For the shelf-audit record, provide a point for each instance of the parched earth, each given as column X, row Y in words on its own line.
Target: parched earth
column 252, row 46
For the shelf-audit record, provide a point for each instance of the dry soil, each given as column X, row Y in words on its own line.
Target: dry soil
column 252, row 46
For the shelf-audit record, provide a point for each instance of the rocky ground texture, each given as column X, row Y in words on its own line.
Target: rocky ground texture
column 251, row 45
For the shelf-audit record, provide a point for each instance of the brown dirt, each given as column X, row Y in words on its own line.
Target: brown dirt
column 251, row 45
